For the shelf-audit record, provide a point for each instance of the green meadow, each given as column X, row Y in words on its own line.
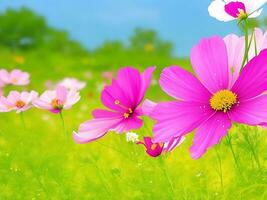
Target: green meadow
column 38, row 160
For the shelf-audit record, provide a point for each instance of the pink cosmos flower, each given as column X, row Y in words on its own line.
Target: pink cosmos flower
column 57, row 100
column 17, row 101
column 236, row 47
column 122, row 100
column 72, row 84
column 228, row 10
column 235, row 50
column 207, row 102
column 156, row 149
column 15, row 77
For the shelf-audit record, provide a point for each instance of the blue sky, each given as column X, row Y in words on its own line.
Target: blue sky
column 91, row 22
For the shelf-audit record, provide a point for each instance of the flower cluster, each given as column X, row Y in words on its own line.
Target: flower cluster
column 229, row 87
column 64, row 96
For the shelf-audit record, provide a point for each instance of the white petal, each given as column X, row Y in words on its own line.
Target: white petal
column 216, row 10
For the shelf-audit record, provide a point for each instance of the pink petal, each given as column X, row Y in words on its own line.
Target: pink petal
column 5, row 105
column 175, row 119
column 48, row 96
column 72, row 98
column 210, row 62
column 146, row 79
column 252, row 112
column 128, row 89
column 4, row 76
column 182, row 85
column 114, row 93
column 13, row 97
column 131, row 83
column 100, row 113
column 129, row 124
column 209, row 134
column 94, row 129
column 22, row 78
column 27, row 97
column 39, row 103
column 235, row 49
column 173, row 143
column 62, row 93
column 261, row 43
column 148, row 107
column 253, row 78
column 234, row 8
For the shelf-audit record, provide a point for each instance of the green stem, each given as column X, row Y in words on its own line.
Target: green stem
column 220, row 168
column 229, row 141
column 255, row 44
column 63, row 123
column 245, row 59
column 163, row 167
column 251, row 148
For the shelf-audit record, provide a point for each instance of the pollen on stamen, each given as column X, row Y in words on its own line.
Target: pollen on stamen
column 126, row 115
column 117, row 102
column 20, row 104
column 223, row 100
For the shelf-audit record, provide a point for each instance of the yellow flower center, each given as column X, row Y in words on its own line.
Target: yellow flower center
column 223, row 100
column 153, row 146
column 20, row 104
column 242, row 15
column 126, row 115
column 14, row 80
column 57, row 104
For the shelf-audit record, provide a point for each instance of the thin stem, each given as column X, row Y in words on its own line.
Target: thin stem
column 167, row 176
column 245, row 29
column 220, row 168
column 63, row 123
column 255, row 44
column 229, row 141
column 251, row 148
column 23, row 120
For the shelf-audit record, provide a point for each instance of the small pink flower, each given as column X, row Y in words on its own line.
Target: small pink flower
column 72, row 84
column 156, row 149
column 108, row 75
column 235, row 46
column 57, row 100
column 122, row 99
column 17, row 101
column 152, row 149
column 208, row 103
column 15, row 77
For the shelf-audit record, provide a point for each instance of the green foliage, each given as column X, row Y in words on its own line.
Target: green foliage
column 147, row 41
column 253, row 23
column 24, row 29
column 115, row 47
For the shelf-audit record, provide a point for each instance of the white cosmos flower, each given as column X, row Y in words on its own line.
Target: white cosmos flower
column 72, row 84
column 228, row 10
column 131, row 137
